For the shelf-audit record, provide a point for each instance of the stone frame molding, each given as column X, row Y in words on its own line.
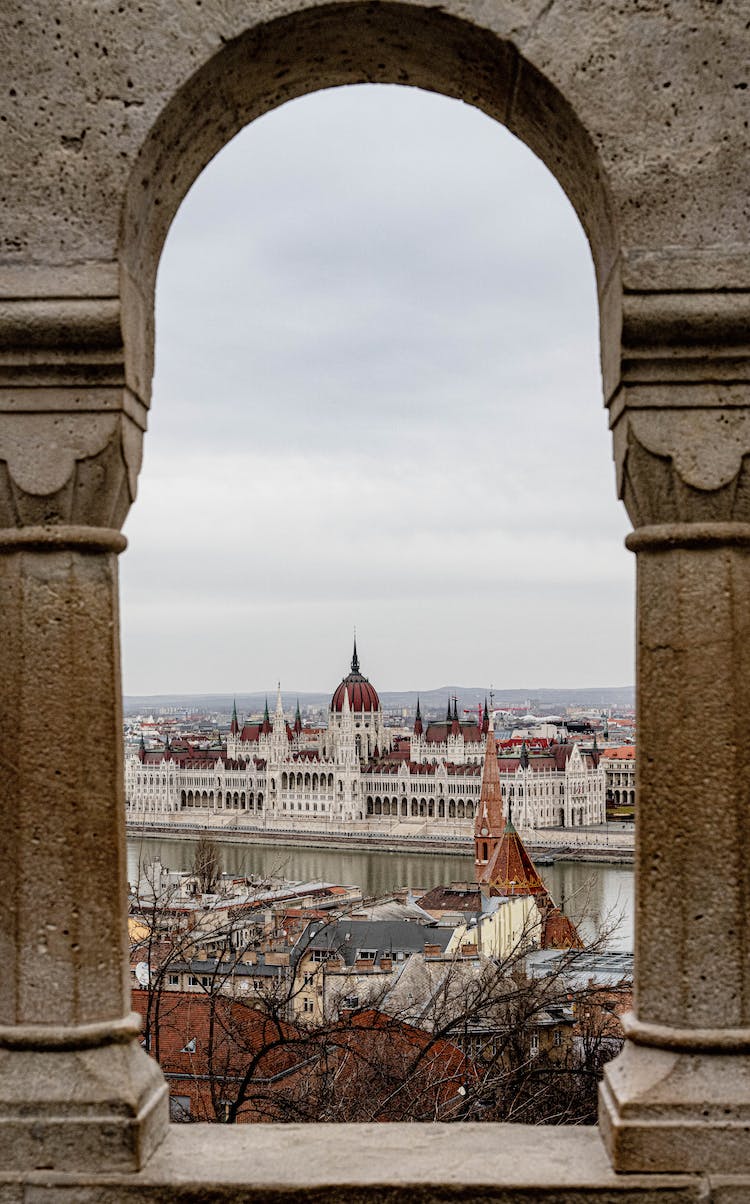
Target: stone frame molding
column 111, row 112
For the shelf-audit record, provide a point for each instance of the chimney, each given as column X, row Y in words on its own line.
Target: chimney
column 469, row 950
column 433, row 951
column 386, row 963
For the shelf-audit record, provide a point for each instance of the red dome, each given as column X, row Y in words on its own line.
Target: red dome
column 362, row 696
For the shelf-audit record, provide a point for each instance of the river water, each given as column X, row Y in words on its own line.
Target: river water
column 592, row 895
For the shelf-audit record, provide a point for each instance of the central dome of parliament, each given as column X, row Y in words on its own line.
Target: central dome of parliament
column 362, row 696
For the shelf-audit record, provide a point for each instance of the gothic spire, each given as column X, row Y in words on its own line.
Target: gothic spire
column 234, row 726
column 297, row 720
column 485, row 718
column 355, row 658
column 449, row 717
column 418, row 721
column 489, row 822
column 524, row 756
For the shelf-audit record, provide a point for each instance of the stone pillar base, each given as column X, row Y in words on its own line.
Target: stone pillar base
column 83, row 1108
column 663, row 1109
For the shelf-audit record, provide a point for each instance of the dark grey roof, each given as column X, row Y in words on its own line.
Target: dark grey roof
column 226, row 968
column 385, row 938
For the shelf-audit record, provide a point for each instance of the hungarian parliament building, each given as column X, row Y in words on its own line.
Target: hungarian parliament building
column 356, row 775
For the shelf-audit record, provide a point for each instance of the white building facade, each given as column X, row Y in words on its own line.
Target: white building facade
column 354, row 776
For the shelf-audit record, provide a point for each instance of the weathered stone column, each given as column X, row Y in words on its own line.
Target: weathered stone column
column 77, row 1091
column 678, row 1097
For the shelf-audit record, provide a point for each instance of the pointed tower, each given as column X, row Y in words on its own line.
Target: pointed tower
column 490, row 821
column 297, row 721
column 511, row 871
column 418, row 721
column 524, row 756
column 234, row 726
column 455, row 724
column 504, row 867
column 355, row 658
column 485, row 718
column 265, row 726
column 449, row 714
column 142, row 749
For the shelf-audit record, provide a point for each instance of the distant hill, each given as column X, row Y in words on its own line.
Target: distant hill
column 541, row 699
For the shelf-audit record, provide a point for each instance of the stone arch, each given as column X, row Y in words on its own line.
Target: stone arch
column 678, row 295
column 326, row 46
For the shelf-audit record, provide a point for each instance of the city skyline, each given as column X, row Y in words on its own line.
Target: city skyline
column 463, row 513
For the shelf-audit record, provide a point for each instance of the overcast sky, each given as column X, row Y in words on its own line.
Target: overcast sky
column 377, row 403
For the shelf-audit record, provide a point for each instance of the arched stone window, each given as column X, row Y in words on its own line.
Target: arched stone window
column 672, row 280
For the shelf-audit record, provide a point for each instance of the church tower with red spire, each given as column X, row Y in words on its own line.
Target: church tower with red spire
column 502, row 865
column 490, row 822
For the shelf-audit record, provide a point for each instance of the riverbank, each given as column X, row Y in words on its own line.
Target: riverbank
column 543, row 852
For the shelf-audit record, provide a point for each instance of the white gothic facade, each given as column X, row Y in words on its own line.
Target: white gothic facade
column 354, row 775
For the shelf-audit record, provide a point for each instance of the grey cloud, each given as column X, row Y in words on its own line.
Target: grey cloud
column 377, row 400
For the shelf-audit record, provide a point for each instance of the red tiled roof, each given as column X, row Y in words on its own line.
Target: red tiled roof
column 438, row 733
column 625, row 752
column 362, row 696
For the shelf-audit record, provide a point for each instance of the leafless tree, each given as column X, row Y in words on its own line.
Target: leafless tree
column 207, row 867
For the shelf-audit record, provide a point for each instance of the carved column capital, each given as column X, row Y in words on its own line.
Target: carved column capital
column 72, row 423
column 679, row 403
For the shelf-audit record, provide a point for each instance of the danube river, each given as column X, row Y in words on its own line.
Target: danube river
column 591, row 894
